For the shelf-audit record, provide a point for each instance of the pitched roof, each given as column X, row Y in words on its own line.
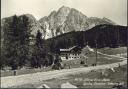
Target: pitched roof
column 87, row 48
column 68, row 49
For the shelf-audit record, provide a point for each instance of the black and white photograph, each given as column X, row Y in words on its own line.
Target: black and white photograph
column 62, row 44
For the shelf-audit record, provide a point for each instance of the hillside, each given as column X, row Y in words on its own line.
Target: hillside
column 102, row 35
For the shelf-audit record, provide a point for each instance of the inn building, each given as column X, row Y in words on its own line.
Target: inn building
column 70, row 53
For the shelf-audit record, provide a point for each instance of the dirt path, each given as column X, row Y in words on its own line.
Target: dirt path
column 39, row 77
column 115, row 56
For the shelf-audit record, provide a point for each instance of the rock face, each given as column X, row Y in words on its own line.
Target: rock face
column 34, row 25
column 68, row 19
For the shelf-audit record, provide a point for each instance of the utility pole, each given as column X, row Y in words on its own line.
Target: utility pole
column 96, row 51
column 118, row 44
column 127, row 44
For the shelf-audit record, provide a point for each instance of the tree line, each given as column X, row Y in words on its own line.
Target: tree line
column 103, row 35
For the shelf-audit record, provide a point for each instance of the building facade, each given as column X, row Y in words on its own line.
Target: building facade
column 70, row 53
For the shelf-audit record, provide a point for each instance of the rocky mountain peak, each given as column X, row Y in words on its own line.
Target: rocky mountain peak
column 64, row 8
column 69, row 19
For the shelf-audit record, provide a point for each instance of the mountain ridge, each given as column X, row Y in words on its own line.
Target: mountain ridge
column 58, row 22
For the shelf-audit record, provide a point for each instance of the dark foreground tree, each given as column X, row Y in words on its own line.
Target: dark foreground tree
column 38, row 55
column 16, row 42
column 11, row 43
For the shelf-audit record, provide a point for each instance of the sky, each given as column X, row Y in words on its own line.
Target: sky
column 116, row 10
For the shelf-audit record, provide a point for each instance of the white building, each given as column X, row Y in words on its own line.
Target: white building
column 70, row 53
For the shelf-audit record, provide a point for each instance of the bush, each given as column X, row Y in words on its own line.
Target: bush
column 82, row 62
column 57, row 66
